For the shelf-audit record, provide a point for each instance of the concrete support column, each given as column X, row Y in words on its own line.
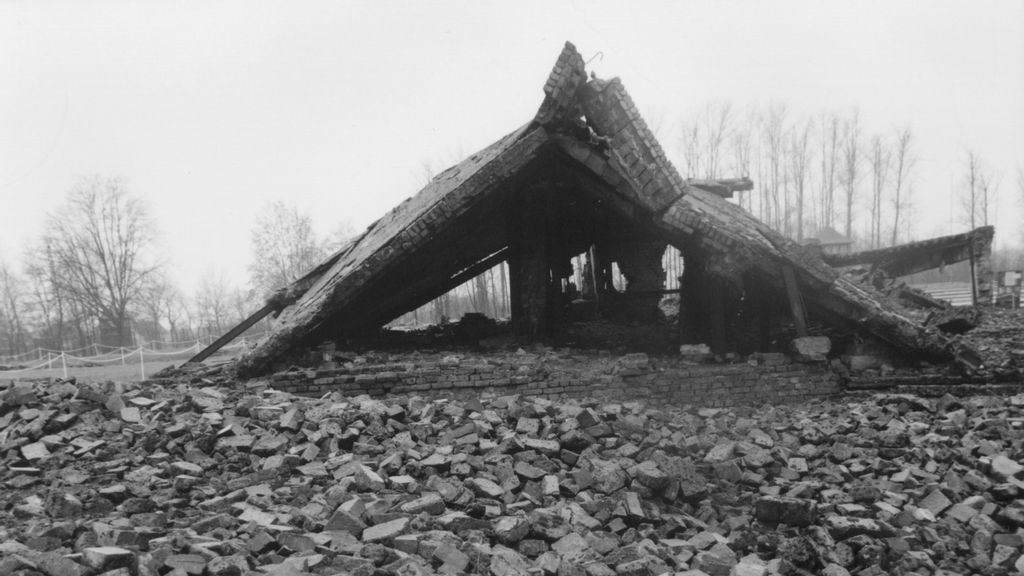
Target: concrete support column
column 530, row 264
column 693, row 318
column 981, row 264
column 715, row 301
column 641, row 264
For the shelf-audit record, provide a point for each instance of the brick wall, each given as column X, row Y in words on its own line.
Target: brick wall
column 629, row 377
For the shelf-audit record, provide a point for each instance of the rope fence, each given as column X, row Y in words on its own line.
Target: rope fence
column 59, row 359
column 97, row 350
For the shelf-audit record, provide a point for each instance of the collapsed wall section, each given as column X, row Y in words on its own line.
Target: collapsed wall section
column 632, row 376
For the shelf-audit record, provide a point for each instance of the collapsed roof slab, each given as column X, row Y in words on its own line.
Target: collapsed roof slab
column 398, row 240
column 922, row 255
column 586, row 126
column 913, row 257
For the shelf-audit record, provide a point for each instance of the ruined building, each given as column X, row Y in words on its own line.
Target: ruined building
column 585, row 176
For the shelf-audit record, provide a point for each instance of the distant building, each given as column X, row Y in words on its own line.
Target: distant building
column 831, row 242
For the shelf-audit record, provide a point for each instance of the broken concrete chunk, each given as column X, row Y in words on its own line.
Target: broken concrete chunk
column 606, row 476
column 35, row 451
column 345, row 521
column 936, row 502
column 385, row 532
column 431, row 503
column 717, row 561
column 792, row 511
column 486, row 488
column 842, row 527
column 107, row 557
column 191, row 564
column 811, row 348
column 721, row 452
column 451, row 558
column 509, row 530
column 695, row 353
column 1004, row 467
column 53, row 564
column 507, row 562
column 571, row 546
column 131, row 415
column 648, row 473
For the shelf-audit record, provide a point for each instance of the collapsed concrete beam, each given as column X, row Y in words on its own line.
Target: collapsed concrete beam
column 724, row 188
column 914, row 257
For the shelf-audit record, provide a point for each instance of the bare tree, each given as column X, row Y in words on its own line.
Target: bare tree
column 12, row 329
column 774, row 139
column 178, row 316
column 972, row 178
column 655, row 123
column 879, row 162
column 213, row 304
column 828, row 132
column 188, row 309
column 904, row 161
column 339, row 236
column 49, row 305
column 979, row 190
column 989, row 188
column 158, row 304
column 849, row 174
column 717, row 120
column 692, row 145
column 241, row 303
column 100, row 241
column 741, row 148
column 284, row 247
column 799, row 161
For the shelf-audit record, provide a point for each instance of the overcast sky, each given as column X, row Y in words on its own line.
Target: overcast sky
column 210, row 110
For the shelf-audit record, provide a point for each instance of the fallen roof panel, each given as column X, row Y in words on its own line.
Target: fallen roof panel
column 913, row 257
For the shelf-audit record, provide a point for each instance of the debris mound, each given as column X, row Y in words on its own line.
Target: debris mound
column 202, row 479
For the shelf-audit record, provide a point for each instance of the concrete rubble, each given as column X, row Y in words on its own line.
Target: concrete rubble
column 205, row 479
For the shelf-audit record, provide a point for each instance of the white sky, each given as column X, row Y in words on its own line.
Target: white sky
column 212, row 109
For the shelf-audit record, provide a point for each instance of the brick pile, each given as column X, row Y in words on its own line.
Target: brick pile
column 764, row 378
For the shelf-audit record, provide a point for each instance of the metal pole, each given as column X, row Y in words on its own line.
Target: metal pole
column 64, row 365
column 974, row 279
column 142, row 363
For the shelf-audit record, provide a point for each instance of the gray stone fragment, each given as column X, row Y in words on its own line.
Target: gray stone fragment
column 780, row 510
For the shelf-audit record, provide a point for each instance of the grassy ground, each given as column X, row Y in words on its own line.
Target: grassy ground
column 130, row 372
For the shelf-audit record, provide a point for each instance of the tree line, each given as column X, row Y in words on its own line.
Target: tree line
column 825, row 170
column 94, row 277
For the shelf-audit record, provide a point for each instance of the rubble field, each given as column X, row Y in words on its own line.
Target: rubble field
column 217, row 480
